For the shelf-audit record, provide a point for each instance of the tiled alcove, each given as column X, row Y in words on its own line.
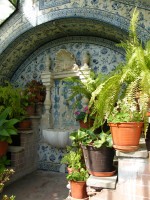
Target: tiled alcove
column 104, row 57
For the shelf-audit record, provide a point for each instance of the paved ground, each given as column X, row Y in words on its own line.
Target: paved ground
column 40, row 185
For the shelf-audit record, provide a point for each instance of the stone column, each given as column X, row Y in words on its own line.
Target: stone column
column 47, row 79
column 84, row 71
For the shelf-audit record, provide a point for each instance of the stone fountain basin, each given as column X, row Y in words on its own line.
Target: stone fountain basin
column 56, row 137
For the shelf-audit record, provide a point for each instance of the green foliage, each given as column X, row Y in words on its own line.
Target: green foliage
column 14, row 2
column 11, row 97
column 4, row 177
column 5, row 197
column 125, row 112
column 134, row 73
column 88, row 137
column 7, row 126
column 81, row 175
column 3, row 163
column 83, row 87
column 73, row 158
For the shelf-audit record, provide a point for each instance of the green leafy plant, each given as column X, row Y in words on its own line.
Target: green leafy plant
column 81, row 175
column 88, row 137
column 7, row 126
column 125, row 112
column 84, row 86
column 73, row 158
column 11, row 97
column 3, row 163
column 4, row 177
column 5, row 197
column 134, row 73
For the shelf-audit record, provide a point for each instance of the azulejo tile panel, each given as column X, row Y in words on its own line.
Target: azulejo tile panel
column 104, row 57
column 136, row 3
column 43, row 4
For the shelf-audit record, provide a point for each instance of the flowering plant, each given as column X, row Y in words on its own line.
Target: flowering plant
column 126, row 111
column 81, row 114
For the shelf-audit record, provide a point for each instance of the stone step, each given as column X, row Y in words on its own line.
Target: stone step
column 102, row 182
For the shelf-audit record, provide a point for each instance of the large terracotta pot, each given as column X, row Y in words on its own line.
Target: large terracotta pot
column 87, row 124
column 25, row 124
column 78, row 189
column 3, row 148
column 99, row 161
column 126, row 135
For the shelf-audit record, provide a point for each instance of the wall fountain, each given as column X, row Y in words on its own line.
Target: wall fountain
column 58, row 120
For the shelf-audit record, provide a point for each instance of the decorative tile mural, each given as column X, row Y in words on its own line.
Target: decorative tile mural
column 99, row 18
column 104, row 57
column 19, row 37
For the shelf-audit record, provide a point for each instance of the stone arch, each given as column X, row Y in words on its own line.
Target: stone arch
column 59, row 24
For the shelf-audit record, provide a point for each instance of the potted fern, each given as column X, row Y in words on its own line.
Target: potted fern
column 130, row 81
column 126, row 125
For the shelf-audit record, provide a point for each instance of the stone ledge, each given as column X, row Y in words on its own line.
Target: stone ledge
column 140, row 153
column 30, row 131
column 15, row 149
column 102, row 182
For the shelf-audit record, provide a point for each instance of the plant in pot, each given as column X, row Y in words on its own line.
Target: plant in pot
column 28, row 106
column 37, row 92
column 131, row 80
column 126, row 125
column 7, row 129
column 77, row 179
column 73, row 159
column 81, row 115
column 97, row 150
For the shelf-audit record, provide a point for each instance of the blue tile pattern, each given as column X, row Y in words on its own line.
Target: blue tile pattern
column 23, row 60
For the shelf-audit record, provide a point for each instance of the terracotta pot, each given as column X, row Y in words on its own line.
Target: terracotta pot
column 3, row 148
column 99, row 161
column 87, row 124
column 25, row 124
column 78, row 189
column 126, row 135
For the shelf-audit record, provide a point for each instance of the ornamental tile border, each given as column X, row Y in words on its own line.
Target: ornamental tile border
column 44, row 4
column 135, row 3
column 101, row 15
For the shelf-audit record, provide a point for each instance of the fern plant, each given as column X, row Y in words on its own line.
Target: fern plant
column 84, row 87
column 134, row 73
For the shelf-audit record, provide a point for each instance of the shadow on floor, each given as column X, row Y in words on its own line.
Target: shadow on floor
column 39, row 185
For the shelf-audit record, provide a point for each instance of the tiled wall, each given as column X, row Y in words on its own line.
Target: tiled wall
column 104, row 57
column 26, row 37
